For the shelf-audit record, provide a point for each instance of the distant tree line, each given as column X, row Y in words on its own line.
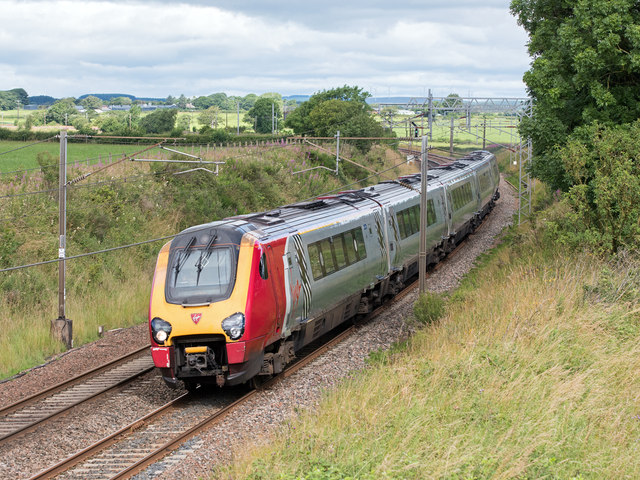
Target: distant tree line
column 341, row 109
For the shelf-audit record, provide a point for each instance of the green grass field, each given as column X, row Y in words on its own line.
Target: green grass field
column 14, row 157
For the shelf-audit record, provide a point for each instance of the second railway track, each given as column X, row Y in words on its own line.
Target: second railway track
column 21, row 416
column 125, row 452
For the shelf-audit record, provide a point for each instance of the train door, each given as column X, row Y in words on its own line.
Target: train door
column 276, row 277
column 395, row 248
column 297, row 285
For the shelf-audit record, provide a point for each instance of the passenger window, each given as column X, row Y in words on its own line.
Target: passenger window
column 339, row 250
column 350, row 247
column 262, row 267
column 314, row 257
column 327, row 256
column 431, row 213
column 359, row 243
column 401, row 227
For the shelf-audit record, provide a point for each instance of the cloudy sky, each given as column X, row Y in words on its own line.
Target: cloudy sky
column 159, row 48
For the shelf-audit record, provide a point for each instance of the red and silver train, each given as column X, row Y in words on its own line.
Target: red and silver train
column 236, row 298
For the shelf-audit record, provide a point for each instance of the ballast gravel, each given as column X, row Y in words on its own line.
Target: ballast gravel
column 256, row 420
column 263, row 414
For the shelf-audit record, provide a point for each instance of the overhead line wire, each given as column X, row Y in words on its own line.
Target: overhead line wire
column 72, row 257
column 27, row 146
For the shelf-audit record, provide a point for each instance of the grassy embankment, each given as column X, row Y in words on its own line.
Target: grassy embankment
column 112, row 289
column 530, row 373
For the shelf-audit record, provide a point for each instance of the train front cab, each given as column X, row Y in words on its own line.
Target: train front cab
column 201, row 316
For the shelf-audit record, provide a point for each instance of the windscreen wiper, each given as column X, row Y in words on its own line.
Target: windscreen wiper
column 204, row 256
column 182, row 258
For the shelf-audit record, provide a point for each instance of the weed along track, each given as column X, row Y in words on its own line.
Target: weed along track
column 173, row 426
column 145, row 440
column 144, row 427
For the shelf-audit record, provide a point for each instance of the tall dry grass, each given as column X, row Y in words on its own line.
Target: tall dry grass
column 532, row 373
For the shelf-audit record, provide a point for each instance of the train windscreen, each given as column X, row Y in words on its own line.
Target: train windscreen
column 200, row 273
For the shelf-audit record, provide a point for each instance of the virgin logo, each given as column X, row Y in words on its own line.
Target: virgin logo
column 196, row 317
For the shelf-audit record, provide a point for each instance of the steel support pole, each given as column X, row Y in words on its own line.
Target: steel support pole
column 451, row 137
column 62, row 326
column 337, row 151
column 422, row 257
column 430, row 116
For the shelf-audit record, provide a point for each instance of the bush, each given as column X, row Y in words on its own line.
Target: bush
column 429, row 308
column 604, row 201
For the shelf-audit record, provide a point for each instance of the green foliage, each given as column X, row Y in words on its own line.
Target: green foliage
column 49, row 166
column 61, row 111
column 209, row 117
column 299, row 119
column 262, row 114
column 604, row 200
column 429, row 308
column 10, row 99
column 119, row 100
column 586, row 69
column 160, row 121
column 92, row 102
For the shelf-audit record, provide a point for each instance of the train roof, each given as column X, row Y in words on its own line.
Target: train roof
column 328, row 209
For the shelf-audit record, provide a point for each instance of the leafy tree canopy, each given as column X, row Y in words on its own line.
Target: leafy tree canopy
column 585, row 69
column 9, row 99
column 604, row 199
column 209, row 117
column 161, row 121
column 91, row 102
column 119, row 101
column 261, row 113
column 299, row 119
column 61, row 111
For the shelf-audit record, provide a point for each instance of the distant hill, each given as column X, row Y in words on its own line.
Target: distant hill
column 106, row 96
column 42, row 100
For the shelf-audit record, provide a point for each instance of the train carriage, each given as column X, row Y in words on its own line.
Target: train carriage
column 237, row 298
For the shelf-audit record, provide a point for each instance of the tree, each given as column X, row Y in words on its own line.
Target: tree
column 352, row 119
column 248, row 101
column 91, row 102
column 209, row 117
column 120, row 101
column 585, row 69
column 10, row 99
column 61, row 111
column 605, row 195
column 261, row 114
column 298, row 120
column 202, row 103
column 161, row 121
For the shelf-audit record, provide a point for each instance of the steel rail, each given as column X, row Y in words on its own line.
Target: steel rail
column 26, row 414
column 175, row 442
column 59, row 386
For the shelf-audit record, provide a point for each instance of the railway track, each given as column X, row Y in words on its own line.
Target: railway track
column 143, row 442
column 22, row 416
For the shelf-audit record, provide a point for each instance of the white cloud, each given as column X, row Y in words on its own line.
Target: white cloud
column 71, row 47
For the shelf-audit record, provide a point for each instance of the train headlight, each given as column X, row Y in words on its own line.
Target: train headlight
column 234, row 326
column 160, row 330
